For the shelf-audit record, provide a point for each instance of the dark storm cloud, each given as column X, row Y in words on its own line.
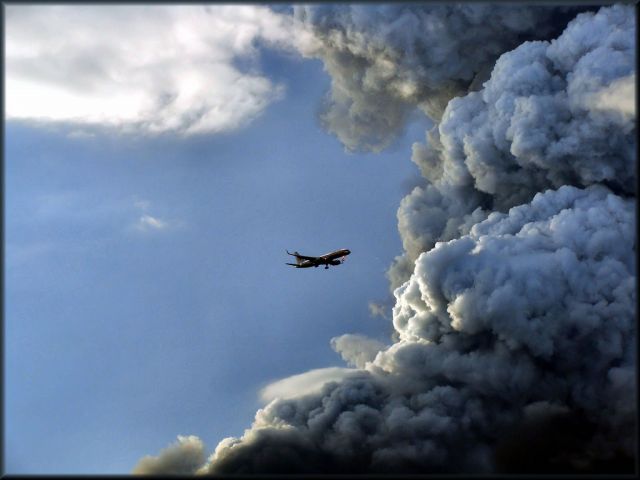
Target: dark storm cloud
column 182, row 458
column 514, row 320
column 534, row 125
column 548, row 116
column 386, row 60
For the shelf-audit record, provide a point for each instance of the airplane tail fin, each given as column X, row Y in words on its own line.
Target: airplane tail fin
column 294, row 254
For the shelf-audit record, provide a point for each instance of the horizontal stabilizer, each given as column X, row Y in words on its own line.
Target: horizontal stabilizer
column 293, row 264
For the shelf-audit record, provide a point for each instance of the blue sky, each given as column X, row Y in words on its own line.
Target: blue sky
column 146, row 294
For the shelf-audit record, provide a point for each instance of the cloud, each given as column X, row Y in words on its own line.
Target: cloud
column 387, row 60
column 147, row 69
column 619, row 96
column 147, row 222
column 303, row 384
column 377, row 310
column 356, row 350
column 514, row 346
column 536, row 124
column 182, row 458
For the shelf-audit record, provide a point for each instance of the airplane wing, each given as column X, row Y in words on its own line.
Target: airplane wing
column 303, row 257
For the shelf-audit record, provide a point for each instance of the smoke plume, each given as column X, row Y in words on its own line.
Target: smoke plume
column 514, row 316
column 385, row 61
column 550, row 115
column 182, row 458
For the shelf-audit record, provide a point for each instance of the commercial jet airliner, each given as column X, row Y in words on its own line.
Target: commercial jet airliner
column 334, row 258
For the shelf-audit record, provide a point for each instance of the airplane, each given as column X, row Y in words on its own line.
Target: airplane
column 334, row 258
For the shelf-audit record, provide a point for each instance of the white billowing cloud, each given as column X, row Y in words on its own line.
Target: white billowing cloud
column 181, row 458
column 356, row 350
column 619, row 96
column 142, row 68
column 303, row 384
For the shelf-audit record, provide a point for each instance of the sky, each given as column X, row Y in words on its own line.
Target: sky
column 478, row 161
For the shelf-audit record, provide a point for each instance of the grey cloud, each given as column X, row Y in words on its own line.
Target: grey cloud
column 385, row 60
column 538, row 123
column 429, row 214
column 182, row 458
column 532, row 126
